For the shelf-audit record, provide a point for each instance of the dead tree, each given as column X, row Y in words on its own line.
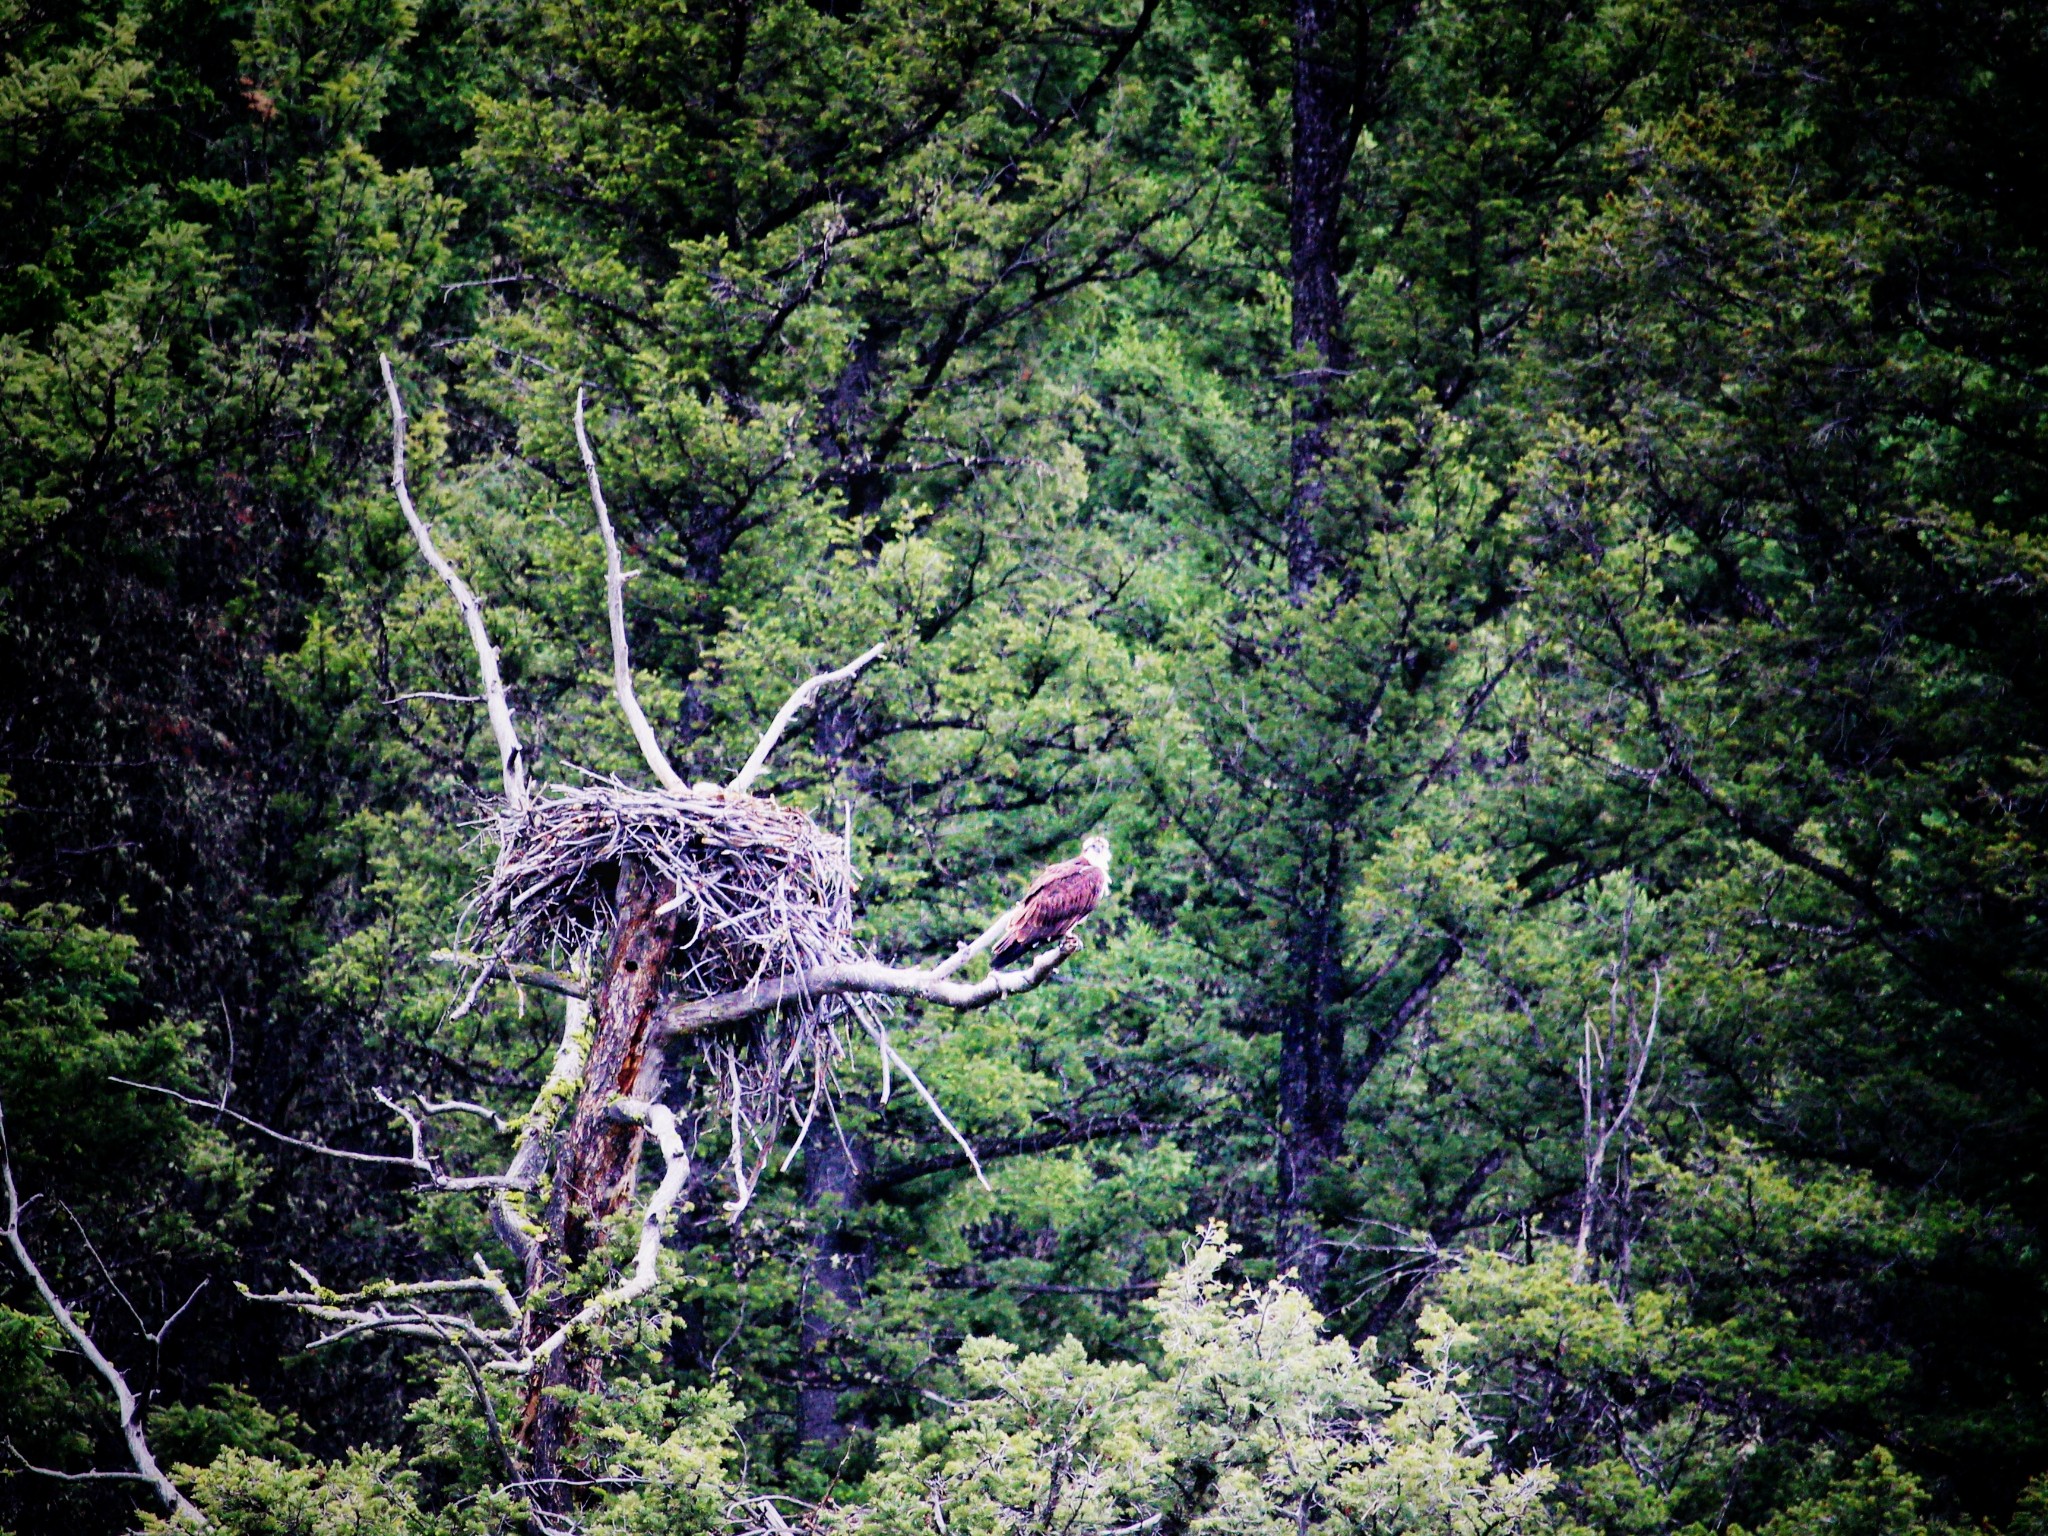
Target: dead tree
column 710, row 935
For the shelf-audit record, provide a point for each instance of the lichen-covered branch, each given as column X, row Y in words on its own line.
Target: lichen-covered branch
column 510, row 1218
column 511, row 756
column 393, row 1306
column 743, row 781
column 146, row 1469
column 615, row 602
column 653, row 1222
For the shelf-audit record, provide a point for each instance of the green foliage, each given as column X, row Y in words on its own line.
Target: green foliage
column 1251, row 1422
column 1874, row 1498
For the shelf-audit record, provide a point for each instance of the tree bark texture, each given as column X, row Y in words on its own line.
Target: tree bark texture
column 598, row 1159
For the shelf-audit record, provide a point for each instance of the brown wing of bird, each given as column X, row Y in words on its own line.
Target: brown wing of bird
column 1058, row 899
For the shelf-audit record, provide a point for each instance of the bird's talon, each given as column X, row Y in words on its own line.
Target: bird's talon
column 1071, row 944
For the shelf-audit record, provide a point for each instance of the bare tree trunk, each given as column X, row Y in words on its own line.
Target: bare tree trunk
column 598, row 1160
column 834, row 1170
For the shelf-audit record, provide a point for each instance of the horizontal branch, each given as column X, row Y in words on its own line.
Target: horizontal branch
column 110, row 1475
column 411, row 1323
column 863, row 976
column 370, row 1309
column 418, row 1162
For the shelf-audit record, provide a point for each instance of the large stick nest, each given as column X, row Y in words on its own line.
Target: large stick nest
column 762, row 893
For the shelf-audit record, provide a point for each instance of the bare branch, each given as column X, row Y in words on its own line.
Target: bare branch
column 966, row 952
column 157, row 1338
column 130, row 1406
column 368, row 1310
column 418, row 1162
column 743, row 781
column 615, row 597
column 109, row 1476
column 1598, row 1128
column 864, row 976
column 461, row 1107
column 511, row 757
column 500, row 1291
column 931, row 1101
column 482, row 1390
column 647, row 1256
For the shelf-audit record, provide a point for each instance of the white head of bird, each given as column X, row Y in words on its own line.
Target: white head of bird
column 1095, row 849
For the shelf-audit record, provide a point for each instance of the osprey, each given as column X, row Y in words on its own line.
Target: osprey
column 1058, row 899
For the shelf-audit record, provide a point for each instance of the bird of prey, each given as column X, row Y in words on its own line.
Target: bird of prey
column 1058, row 899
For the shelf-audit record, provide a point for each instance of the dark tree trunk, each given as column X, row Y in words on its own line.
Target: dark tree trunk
column 1343, row 58
column 1312, row 1099
column 1318, row 1079
column 599, row 1157
column 1321, row 161
column 834, row 1174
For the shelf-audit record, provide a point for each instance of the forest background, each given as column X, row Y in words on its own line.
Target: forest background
column 1522, row 520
